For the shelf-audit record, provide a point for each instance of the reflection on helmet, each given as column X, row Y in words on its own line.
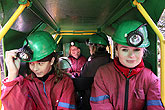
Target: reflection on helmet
column 131, row 33
column 98, row 38
column 64, row 63
column 41, row 43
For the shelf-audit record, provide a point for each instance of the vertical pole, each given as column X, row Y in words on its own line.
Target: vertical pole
column 7, row 27
column 0, row 87
column 162, row 46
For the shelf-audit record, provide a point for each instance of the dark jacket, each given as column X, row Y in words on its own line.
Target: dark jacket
column 94, row 62
column 89, row 70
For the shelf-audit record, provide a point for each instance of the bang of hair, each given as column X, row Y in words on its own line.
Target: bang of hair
column 48, row 58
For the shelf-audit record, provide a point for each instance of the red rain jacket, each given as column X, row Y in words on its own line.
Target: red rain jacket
column 77, row 64
column 33, row 94
column 118, row 88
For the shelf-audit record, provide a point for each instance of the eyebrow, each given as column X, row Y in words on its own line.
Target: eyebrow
column 123, row 47
column 127, row 47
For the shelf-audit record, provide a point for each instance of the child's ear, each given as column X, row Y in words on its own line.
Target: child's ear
column 52, row 60
column 116, row 52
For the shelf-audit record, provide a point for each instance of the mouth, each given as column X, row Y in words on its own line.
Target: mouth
column 131, row 61
column 39, row 74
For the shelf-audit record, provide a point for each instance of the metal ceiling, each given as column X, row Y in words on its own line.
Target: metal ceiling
column 62, row 15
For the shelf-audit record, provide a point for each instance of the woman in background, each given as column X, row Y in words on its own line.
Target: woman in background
column 76, row 58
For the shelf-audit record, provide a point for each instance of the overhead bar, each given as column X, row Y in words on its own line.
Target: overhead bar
column 13, row 19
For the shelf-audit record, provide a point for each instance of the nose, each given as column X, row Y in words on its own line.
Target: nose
column 35, row 67
column 131, row 54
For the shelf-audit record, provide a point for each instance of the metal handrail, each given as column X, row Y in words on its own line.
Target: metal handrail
column 7, row 27
column 162, row 46
column 13, row 19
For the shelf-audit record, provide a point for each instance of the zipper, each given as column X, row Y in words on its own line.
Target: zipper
column 76, row 64
column 127, row 91
column 45, row 91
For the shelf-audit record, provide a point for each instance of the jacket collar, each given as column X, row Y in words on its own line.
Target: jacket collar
column 127, row 72
column 45, row 77
column 74, row 57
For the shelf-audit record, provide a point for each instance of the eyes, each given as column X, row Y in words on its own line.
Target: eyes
column 126, row 49
column 39, row 63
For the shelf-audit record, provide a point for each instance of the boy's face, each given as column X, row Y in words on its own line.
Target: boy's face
column 41, row 68
column 129, row 56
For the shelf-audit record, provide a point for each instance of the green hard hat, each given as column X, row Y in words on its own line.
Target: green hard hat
column 41, row 43
column 75, row 43
column 131, row 33
column 99, row 38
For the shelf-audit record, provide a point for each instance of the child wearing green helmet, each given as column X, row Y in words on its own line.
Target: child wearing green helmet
column 125, row 83
column 44, row 88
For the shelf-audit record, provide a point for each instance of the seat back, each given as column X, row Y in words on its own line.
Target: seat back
column 83, row 83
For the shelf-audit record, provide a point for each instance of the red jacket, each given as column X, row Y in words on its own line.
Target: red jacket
column 115, row 89
column 33, row 94
column 77, row 64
